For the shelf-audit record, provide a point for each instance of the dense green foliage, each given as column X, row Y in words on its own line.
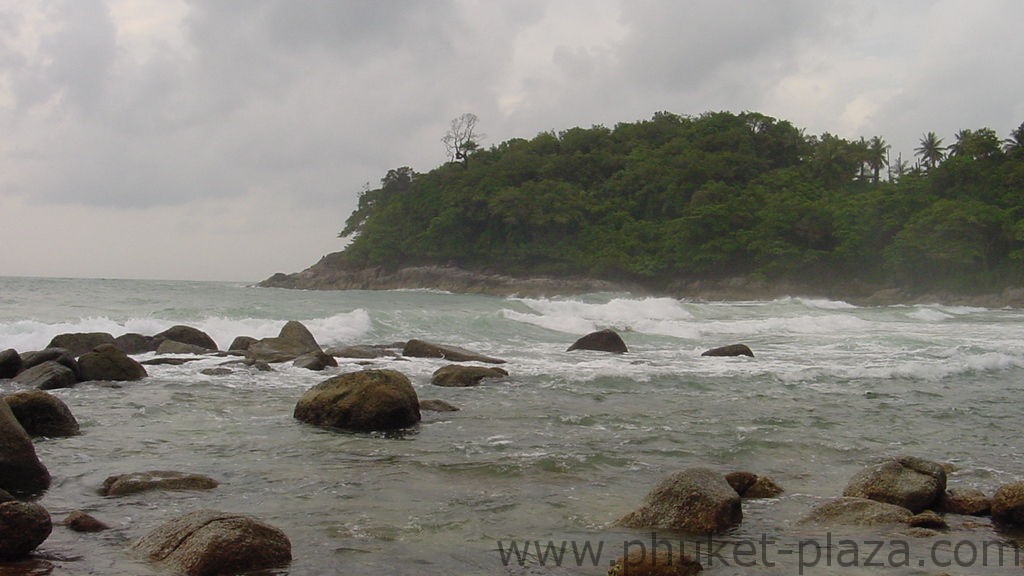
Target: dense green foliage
column 711, row 196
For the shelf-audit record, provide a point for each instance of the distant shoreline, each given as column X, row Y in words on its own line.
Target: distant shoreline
column 328, row 275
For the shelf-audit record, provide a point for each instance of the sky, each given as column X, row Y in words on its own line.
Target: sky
column 230, row 139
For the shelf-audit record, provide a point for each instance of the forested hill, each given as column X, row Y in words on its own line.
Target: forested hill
column 709, row 197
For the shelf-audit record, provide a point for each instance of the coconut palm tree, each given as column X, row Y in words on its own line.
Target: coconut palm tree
column 877, row 156
column 931, row 151
column 1014, row 145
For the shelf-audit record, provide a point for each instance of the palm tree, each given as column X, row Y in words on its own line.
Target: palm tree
column 877, row 156
column 931, row 150
column 1014, row 145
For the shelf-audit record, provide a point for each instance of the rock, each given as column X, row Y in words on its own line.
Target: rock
column 188, row 335
column 361, row 352
column 106, row 362
column 422, row 349
column 175, row 347
column 905, row 481
column 79, row 343
column 21, row 472
column 731, row 350
column 79, row 521
column 241, row 343
column 366, row 400
column 216, row 371
column 168, row 361
column 927, row 519
column 437, row 406
column 213, row 543
column 58, row 355
column 10, row 363
column 857, row 512
column 293, row 341
column 315, row 361
column 1008, row 504
column 49, row 375
column 602, row 341
column 457, row 376
column 696, row 501
column 23, row 527
column 133, row 343
column 657, row 562
column 124, row 484
column 750, row 485
column 42, row 414
column 966, row 501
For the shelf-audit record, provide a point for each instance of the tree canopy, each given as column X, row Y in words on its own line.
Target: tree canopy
column 709, row 196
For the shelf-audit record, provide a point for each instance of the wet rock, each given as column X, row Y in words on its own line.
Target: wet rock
column 292, row 341
column 23, row 527
column 750, row 485
column 213, row 543
column 42, row 414
column 188, row 335
column 437, row 406
column 966, row 501
column 79, row 521
column 79, row 343
column 458, row 376
column 730, row 350
column 216, row 371
column 168, row 361
column 602, row 341
column 49, row 375
column 364, row 401
column 912, row 483
column 1008, row 504
column 135, row 482
column 422, row 349
column 241, row 343
column 363, row 352
column 133, row 343
column 21, row 472
column 10, row 363
column 316, row 361
column 696, row 501
column 175, row 347
column 857, row 512
column 927, row 519
column 657, row 562
column 108, row 363
column 58, row 355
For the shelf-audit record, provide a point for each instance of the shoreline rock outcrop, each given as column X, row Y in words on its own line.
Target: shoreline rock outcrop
column 369, row 400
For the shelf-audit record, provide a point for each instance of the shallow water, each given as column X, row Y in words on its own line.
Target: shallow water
column 558, row 451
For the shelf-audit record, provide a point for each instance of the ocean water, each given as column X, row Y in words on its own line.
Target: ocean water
column 558, row 451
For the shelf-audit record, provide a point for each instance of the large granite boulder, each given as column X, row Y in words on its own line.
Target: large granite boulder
column 422, row 349
column 124, row 484
column 10, row 363
column 188, row 335
column 42, row 414
column 21, row 472
column 913, row 483
column 730, row 350
column 1008, row 504
column 58, row 355
column 292, row 341
column 133, row 343
column 241, row 343
column 23, row 527
column 79, row 343
column 695, row 501
column 213, row 543
column 602, row 341
column 456, row 376
column 106, row 362
column 849, row 511
column 966, row 501
column 49, row 375
column 316, row 361
column 366, row 400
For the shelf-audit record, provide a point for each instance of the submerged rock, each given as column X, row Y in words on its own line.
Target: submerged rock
column 79, row 521
column 730, row 350
column 696, row 501
column 213, row 543
column 457, row 376
column 437, row 406
column 363, row 401
column 422, row 349
column 124, row 484
column 601, row 341
column 913, row 483
column 750, row 485
column 42, row 414
column 857, row 512
column 657, row 562
column 21, row 472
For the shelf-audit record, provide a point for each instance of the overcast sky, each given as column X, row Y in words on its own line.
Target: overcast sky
column 229, row 139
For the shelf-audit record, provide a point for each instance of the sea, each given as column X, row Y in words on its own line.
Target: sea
column 532, row 472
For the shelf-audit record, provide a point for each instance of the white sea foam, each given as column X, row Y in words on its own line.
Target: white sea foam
column 663, row 316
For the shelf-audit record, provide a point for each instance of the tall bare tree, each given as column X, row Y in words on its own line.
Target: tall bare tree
column 462, row 139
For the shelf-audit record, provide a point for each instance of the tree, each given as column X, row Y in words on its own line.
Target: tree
column 1014, row 145
column 878, row 156
column 931, row 151
column 975, row 144
column 462, row 138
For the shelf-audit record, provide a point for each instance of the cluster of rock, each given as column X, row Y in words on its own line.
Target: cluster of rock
column 901, row 491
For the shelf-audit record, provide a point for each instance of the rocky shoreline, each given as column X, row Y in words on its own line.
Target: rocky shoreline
column 332, row 273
